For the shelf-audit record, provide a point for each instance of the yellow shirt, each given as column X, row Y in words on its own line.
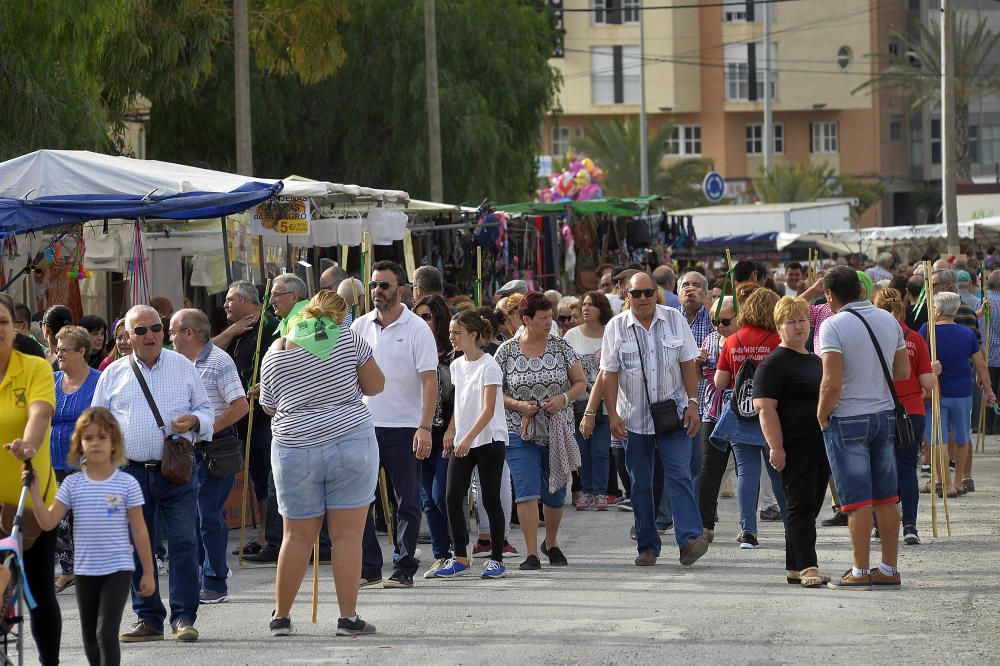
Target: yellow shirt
column 29, row 379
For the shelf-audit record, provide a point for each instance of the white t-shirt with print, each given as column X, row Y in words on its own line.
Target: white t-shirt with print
column 470, row 378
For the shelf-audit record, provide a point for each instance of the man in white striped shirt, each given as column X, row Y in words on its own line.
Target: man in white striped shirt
column 190, row 331
column 648, row 356
column 183, row 404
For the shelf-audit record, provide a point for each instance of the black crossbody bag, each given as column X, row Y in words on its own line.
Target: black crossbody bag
column 904, row 426
column 664, row 412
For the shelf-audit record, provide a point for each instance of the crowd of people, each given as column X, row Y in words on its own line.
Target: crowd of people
column 639, row 396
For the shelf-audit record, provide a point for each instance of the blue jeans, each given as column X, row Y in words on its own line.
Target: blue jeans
column 396, row 455
column 433, row 483
column 748, row 461
column 675, row 452
column 906, row 472
column 213, row 535
column 529, row 472
column 665, row 510
column 595, row 456
column 179, row 504
column 860, row 449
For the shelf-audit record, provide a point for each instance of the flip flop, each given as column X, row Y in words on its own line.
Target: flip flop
column 812, row 580
column 68, row 584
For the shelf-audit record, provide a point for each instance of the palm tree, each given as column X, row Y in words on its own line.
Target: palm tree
column 614, row 146
column 917, row 74
column 789, row 183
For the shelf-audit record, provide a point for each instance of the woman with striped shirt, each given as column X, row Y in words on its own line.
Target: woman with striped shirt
column 324, row 455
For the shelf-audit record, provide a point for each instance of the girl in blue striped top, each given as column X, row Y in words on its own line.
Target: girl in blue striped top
column 106, row 504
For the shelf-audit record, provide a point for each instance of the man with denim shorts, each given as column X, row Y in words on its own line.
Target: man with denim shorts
column 856, row 414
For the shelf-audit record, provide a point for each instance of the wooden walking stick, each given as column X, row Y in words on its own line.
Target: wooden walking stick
column 938, row 472
column 315, row 608
column 987, row 319
column 383, row 491
column 246, row 453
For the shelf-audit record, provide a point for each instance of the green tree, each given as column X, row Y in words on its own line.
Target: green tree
column 615, row 147
column 917, row 74
column 367, row 123
column 69, row 76
column 788, row 183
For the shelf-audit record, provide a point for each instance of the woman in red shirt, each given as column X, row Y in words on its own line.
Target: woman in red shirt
column 756, row 338
column 911, row 391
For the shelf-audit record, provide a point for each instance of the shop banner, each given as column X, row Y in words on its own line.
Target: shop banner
column 280, row 216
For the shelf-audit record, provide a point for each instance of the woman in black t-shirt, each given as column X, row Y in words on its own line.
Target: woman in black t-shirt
column 786, row 393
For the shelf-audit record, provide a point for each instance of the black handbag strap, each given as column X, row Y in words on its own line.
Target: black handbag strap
column 881, row 359
column 145, row 391
column 642, row 366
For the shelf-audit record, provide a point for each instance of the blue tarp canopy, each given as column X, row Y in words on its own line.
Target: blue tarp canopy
column 762, row 238
column 51, row 188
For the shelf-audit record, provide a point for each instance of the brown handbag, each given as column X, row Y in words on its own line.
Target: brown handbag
column 177, row 461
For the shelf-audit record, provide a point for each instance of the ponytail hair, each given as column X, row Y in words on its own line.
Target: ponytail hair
column 476, row 322
column 326, row 303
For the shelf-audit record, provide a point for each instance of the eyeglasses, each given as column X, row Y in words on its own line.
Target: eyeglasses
column 280, row 293
column 121, row 339
column 636, row 293
column 565, row 319
column 64, row 350
column 426, row 316
column 142, row 330
column 380, row 284
column 723, row 322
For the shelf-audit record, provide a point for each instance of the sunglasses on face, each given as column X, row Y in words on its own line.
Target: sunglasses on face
column 426, row 316
column 381, row 284
column 565, row 319
column 142, row 330
column 636, row 293
column 723, row 322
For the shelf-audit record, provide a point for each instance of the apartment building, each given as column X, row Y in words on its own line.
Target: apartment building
column 705, row 74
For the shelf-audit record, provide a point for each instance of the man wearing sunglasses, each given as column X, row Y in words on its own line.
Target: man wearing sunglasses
column 405, row 349
column 289, row 295
column 648, row 356
column 183, row 403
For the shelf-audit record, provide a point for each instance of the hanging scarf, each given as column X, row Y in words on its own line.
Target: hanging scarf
column 564, row 452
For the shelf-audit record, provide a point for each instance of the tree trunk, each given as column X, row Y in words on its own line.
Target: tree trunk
column 963, row 153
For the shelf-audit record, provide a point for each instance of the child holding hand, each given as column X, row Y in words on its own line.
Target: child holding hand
column 106, row 504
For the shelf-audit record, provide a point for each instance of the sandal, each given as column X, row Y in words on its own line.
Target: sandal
column 792, row 577
column 811, row 578
column 65, row 581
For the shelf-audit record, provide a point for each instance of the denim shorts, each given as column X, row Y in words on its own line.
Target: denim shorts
column 956, row 418
column 529, row 472
column 339, row 474
column 862, row 459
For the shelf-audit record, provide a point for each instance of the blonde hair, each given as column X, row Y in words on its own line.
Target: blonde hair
column 758, row 309
column 512, row 304
column 789, row 307
column 107, row 422
column 326, row 303
column 891, row 300
column 743, row 291
column 78, row 336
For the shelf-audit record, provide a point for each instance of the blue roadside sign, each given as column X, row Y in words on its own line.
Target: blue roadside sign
column 714, row 186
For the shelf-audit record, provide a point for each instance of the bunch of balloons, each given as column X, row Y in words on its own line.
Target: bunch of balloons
column 580, row 182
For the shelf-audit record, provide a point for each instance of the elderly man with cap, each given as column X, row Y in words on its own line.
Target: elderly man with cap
column 513, row 287
column 964, row 281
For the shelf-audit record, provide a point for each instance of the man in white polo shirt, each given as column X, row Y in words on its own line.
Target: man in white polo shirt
column 405, row 349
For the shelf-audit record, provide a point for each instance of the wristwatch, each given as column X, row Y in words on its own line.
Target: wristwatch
column 695, row 401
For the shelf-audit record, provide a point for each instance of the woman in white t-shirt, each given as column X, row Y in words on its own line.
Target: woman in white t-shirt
column 595, row 450
column 477, row 437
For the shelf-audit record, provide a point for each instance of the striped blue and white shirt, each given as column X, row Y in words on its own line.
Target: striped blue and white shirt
column 221, row 378
column 177, row 390
column 101, row 543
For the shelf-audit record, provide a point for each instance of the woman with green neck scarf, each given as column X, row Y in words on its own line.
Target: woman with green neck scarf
column 324, row 455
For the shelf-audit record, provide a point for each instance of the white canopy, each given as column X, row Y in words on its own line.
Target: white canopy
column 68, row 172
column 871, row 239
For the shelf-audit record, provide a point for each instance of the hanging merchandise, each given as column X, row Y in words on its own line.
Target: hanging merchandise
column 488, row 230
column 638, row 232
column 351, row 231
column 692, row 239
column 569, row 264
column 137, row 274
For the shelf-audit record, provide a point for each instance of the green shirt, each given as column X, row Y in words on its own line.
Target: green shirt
column 293, row 316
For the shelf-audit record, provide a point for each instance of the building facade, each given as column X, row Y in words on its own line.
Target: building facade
column 705, row 74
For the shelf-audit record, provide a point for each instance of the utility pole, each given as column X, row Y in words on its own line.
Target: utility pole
column 244, row 126
column 433, row 104
column 643, row 128
column 768, row 134
column 950, row 197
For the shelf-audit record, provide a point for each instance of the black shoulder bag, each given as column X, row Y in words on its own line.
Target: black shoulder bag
column 664, row 412
column 904, row 427
column 177, row 461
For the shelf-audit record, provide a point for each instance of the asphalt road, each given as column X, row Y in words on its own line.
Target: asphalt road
column 733, row 606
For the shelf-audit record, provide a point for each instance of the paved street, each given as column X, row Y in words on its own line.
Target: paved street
column 732, row 606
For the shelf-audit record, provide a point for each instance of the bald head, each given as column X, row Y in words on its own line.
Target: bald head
column 641, row 281
column 137, row 312
column 331, row 278
column 665, row 277
column 348, row 288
